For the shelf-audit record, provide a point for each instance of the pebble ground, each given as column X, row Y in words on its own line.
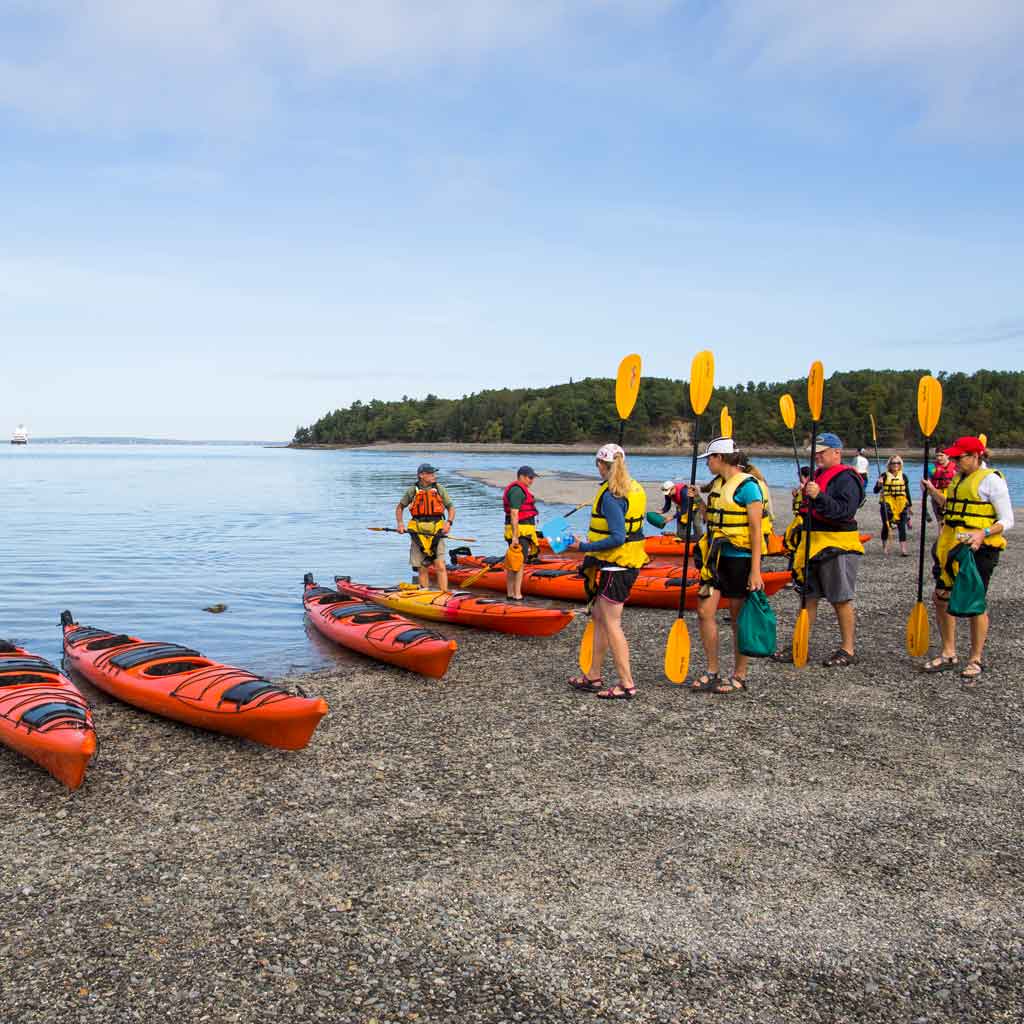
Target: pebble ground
column 835, row 846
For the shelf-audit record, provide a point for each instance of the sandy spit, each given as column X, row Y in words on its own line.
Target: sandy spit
column 837, row 846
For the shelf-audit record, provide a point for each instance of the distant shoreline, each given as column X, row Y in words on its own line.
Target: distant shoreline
column 501, row 448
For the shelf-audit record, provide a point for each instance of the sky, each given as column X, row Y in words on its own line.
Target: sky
column 224, row 219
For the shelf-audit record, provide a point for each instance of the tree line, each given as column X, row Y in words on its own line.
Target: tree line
column 988, row 401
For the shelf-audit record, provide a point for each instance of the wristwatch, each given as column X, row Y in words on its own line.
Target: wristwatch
column 988, row 532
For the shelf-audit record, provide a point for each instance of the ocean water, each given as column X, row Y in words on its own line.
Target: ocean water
column 138, row 539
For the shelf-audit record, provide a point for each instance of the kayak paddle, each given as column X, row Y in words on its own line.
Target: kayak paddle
column 725, row 422
column 874, row 441
column 677, row 650
column 788, row 412
column 929, row 407
column 802, row 630
column 391, row 529
column 983, row 438
column 627, row 387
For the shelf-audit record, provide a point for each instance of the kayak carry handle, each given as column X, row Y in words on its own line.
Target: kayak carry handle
column 308, row 579
column 66, row 618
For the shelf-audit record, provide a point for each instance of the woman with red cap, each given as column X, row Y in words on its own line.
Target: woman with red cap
column 976, row 511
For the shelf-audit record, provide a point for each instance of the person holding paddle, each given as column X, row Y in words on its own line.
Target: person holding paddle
column 428, row 503
column 520, row 528
column 894, row 504
column 976, row 511
column 614, row 551
column 731, row 556
column 826, row 564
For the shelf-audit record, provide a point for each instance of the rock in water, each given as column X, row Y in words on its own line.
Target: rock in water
column 216, row 608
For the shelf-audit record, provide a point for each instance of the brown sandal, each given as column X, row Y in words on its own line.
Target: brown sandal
column 585, row 685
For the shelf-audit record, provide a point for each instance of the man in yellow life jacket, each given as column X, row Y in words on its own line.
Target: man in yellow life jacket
column 428, row 503
column 894, row 505
column 520, row 529
column 829, row 512
column 976, row 512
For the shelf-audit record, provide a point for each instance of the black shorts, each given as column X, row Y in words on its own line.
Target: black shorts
column 731, row 575
column 615, row 584
column 986, row 558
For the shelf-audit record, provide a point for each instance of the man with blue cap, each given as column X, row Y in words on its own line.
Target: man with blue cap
column 829, row 569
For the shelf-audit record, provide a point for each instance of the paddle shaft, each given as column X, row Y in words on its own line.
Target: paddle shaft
column 391, row 529
column 809, row 522
column 923, row 526
column 689, row 520
column 796, row 456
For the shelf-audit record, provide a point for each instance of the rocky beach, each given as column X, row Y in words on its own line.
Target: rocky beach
column 837, row 846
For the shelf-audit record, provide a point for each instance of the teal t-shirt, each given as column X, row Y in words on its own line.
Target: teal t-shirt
column 747, row 492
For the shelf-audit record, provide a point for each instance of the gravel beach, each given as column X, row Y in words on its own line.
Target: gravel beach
column 838, row 845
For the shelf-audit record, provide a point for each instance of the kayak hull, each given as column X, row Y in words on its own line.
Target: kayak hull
column 178, row 683
column 667, row 545
column 462, row 608
column 44, row 717
column 382, row 635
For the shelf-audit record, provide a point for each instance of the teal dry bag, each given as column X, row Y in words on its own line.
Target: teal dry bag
column 755, row 626
column 967, row 598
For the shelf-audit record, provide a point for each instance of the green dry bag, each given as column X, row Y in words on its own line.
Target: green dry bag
column 967, row 598
column 755, row 626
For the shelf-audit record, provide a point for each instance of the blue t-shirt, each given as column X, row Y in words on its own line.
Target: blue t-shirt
column 749, row 491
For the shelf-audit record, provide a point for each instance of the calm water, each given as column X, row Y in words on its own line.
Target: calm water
column 138, row 539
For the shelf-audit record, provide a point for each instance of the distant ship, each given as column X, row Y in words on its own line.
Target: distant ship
column 20, row 436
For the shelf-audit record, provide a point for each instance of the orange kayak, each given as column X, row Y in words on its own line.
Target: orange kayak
column 383, row 635
column 44, row 716
column 462, row 608
column 567, row 585
column 179, row 683
column 668, row 545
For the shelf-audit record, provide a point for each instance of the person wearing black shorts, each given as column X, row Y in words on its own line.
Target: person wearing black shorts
column 730, row 558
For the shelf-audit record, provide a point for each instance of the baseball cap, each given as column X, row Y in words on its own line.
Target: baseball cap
column 608, row 452
column 426, row 467
column 526, row 471
column 667, row 487
column 965, row 446
column 719, row 446
column 828, row 440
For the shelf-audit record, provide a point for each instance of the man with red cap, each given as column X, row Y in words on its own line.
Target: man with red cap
column 977, row 512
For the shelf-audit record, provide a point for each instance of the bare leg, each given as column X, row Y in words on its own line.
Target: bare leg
column 442, row 574
column 514, row 583
column 741, row 663
column 707, row 609
column 847, row 625
column 424, row 574
column 979, row 633
column 600, row 641
column 947, row 627
column 611, row 619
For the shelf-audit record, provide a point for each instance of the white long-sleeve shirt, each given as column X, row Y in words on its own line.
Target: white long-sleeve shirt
column 993, row 489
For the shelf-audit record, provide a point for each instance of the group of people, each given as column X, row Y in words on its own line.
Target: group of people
column 970, row 499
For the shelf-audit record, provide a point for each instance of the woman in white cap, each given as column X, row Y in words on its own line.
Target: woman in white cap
column 731, row 557
column 614, row 551
column 894, row 504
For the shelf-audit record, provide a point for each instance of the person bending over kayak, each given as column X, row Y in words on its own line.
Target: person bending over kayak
column 976, row 511
column 614, row 551
column 894, row 504
column 677, row 497
column 730, row 556
column 428, row 503
column 829, row 510
column 520, row 528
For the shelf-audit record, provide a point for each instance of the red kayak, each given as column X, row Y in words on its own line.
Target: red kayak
column 179, row 683
column 379, row 634
column 44, row 716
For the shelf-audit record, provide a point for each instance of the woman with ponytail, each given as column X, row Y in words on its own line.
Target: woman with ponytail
column 614, row 551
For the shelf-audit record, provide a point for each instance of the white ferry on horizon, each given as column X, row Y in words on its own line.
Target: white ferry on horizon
column 20, row 436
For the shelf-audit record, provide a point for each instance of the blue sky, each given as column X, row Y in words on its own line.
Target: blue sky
column 223, row 219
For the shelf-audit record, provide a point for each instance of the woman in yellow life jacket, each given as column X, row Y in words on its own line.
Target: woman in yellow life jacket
column 977, row 512
column 894, row 504
column 614, row 551
column 731, row 556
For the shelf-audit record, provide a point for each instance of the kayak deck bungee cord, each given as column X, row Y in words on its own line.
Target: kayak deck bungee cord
column 44, row 716
column 462, row 608
column 376, row 633
column 178, row 682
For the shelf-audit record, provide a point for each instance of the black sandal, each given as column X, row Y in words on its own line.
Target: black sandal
column 784, row 655
column 971, row 679
column 940, row 663
column 705, row 683
column 625, row 693
column 585, row 685
column 731, row 687
column 840, row 659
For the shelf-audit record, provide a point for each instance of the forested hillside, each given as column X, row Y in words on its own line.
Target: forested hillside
column 987, row 402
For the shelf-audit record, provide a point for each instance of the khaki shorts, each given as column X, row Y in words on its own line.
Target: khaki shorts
column 416, row 558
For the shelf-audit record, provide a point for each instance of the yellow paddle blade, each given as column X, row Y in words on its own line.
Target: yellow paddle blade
column 801, row 636
column 788, row 409
column 586, row 655
column 816, row 389
column 929, row 404
column 983, row 438
column 627, row 385
column 725, row 422
column 917, row 631
column 677, row 652
column 874, row 429
column 702, row 381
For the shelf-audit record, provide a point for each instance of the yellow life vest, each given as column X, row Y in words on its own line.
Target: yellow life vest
column 895, row 494
column 528, row 537
column 727, row 519
column 631, row 554
column 964, row 509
